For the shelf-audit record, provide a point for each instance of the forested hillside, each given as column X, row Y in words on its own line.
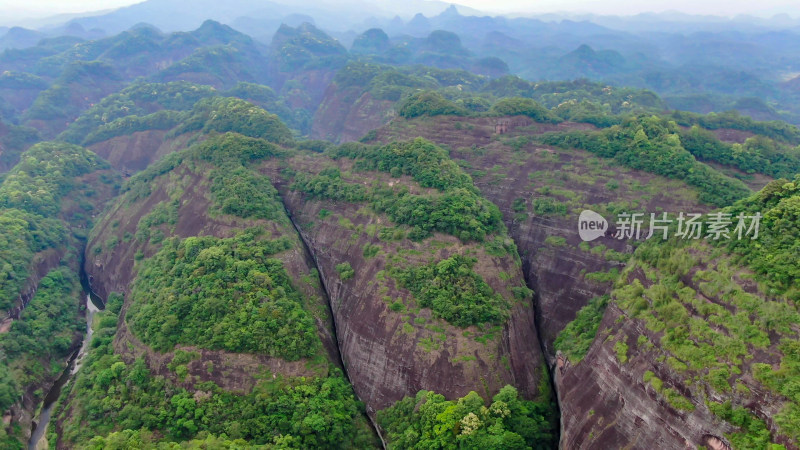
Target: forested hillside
column 215, row 295
column 298, row 243
column 540, row 192
column 46, row 203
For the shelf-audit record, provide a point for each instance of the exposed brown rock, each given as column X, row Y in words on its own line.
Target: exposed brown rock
column 605, row 404
column 134, row 152
column 731, row 135
column 715, row 443
column 114, row 271
column 347, row 114
column 555, row 273
column 384, row 351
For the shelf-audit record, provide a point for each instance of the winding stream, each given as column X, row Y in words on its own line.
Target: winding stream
column 75, row 362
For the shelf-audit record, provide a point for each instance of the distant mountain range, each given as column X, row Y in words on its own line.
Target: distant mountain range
column 699, row 63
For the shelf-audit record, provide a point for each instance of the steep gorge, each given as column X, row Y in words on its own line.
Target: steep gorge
column 605, row 401
column 355, row 220
column 40, row 325
column 176, row 207
column 391, row 347
column 538, row 188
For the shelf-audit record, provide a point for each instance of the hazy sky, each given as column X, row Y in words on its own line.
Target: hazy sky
column 43, row 8
column 40, row 8
column 629, row 7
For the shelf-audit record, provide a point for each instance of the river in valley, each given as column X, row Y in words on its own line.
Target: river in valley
column 38, row 439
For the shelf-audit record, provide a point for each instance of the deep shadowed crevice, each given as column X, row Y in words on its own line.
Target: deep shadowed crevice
column 531, row 284
column 86, row 284
column 324, row 286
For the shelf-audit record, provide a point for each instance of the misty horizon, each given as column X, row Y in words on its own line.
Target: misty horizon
column 45, row 11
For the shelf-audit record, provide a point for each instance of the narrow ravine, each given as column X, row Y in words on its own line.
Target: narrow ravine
column 41, row 423
column 551, row 369
column 333, row 317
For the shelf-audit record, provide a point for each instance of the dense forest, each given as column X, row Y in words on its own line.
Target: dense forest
column 41, row 242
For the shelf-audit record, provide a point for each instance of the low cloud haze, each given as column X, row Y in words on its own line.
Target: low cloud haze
column 627, row 7
column 13, row 10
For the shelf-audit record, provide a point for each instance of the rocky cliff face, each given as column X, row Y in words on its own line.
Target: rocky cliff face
column 112, row 267
column 605, row 402
column 388, row 352
column 134, row 152
column 541, row 191
column 392, row 351
column 631, row 389
column 347, row 114
column 672, row 360
column 303, row 61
